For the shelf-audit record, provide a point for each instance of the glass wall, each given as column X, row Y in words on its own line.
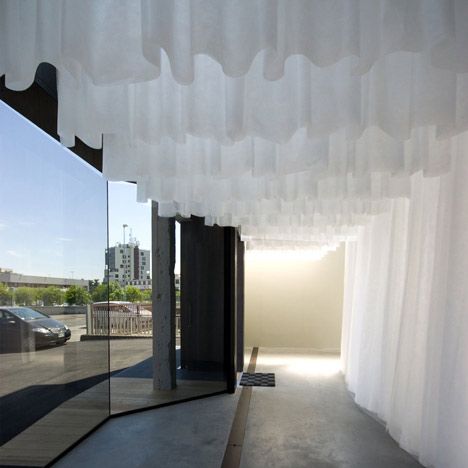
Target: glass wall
column 197, row 362
column 76, row 310
column 54, row 376
column 130, row 305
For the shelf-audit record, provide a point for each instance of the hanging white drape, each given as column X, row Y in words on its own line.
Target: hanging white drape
column 206, row 181
column 233, row 101
column 123, row 41
column 251, row 113
column 400, row 92
column 325, row 157
column 405, row 329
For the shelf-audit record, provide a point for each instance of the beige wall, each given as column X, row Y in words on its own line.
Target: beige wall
column 294, row 301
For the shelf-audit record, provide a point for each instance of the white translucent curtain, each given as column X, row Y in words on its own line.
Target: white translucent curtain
column 405, row 326
column 210, row 104
column 298, row 196
column 134, row 33
column 323, row 122
column 401, row 91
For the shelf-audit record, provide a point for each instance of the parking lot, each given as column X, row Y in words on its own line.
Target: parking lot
column 73, row 361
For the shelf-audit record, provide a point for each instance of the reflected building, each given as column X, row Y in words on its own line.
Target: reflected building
column 128, row 265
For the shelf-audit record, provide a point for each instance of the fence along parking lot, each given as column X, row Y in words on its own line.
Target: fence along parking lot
column 123, row 319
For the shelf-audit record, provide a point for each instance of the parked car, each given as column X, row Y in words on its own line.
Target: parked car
column 22, row 328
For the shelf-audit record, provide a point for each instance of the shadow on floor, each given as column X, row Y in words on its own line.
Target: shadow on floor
column 24, row 407
column 144, row 370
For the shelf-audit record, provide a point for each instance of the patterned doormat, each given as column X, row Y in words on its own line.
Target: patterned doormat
column 258, row 379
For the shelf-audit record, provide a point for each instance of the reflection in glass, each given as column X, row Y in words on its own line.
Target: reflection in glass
column 76, row 309
column 202, row 358
column 131, row 314
column 54, row 382
column 130, row 286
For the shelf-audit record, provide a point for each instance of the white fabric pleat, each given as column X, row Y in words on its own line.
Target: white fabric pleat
column 332, row 156
column 405, row 335
column 243, row 195
column 134, row 33
column 240, row 195
column 319, row 237
column 244, row 112
column 401, row 92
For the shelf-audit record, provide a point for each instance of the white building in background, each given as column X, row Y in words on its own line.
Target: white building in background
column 129, row 265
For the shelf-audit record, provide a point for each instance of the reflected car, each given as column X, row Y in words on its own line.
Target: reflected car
column 22, row 328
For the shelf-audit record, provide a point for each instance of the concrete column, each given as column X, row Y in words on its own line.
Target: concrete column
column 163, row 261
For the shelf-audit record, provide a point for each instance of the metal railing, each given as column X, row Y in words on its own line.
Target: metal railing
column 123, row 320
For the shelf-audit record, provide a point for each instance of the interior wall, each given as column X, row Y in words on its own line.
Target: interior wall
column 294, row 301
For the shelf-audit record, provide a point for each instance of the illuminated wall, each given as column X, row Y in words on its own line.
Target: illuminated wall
column 294, row 300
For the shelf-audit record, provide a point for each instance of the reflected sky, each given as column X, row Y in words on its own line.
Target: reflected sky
column 53, row 205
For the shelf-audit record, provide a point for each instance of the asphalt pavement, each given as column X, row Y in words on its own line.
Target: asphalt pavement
column 70, row 362
column 33, row 384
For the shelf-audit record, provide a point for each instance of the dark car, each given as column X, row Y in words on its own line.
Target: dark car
column 24, row 329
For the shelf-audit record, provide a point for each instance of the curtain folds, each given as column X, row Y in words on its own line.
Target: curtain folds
column 405, row 329
column 401, row 91
column 134, row 33
column 331, row 156
column 208, row 105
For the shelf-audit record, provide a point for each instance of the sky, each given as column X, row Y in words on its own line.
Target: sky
column 53, row 206
column 123, row 209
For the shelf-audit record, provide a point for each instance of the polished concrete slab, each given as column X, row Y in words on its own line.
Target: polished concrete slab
column 307, row 420
column 128, row 394
column 310, row 420
column 188, row 435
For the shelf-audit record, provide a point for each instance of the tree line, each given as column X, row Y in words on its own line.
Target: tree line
column 74, row 295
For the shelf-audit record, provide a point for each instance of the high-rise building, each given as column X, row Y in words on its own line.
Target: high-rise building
column 127, row 263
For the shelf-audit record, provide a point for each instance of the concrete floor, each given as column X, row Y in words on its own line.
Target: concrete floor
column 307, row 420
column 310, row 420
column 189, row 435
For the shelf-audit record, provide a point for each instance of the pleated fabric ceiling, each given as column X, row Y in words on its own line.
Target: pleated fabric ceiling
column 254, row 113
